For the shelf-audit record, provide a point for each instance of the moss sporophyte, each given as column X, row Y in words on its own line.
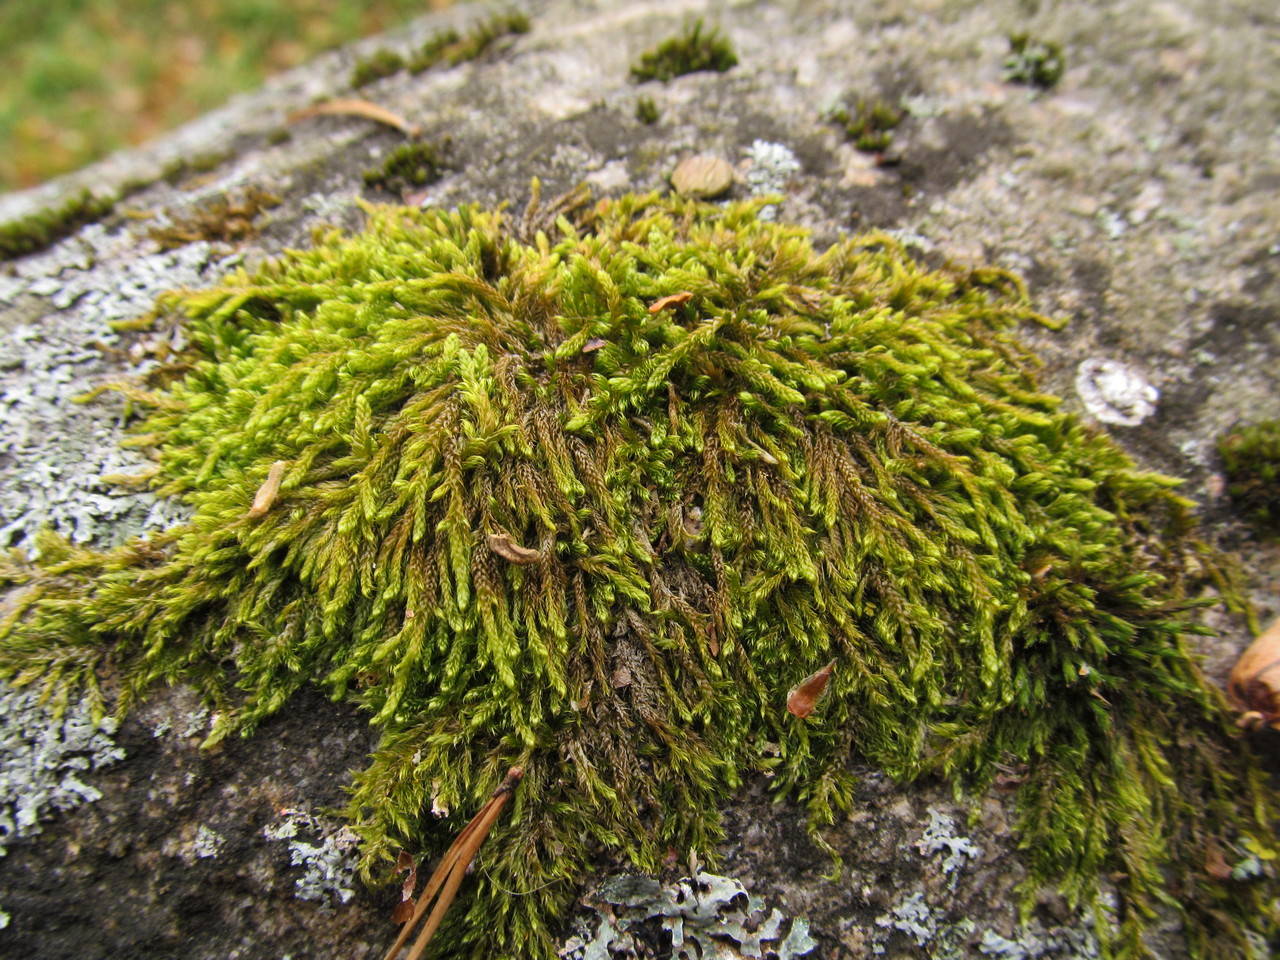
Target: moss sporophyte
column 532, row 513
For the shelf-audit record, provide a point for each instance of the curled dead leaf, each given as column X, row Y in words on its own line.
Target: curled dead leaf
column 1253, row 686
column 355, row 107
column 404, row 909
column 266, row 494
column 1215, row 864
column 702, row 177
column 684, row 296
column 804, row 696
column 509, row 550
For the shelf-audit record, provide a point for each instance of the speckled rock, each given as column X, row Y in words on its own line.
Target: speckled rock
column 1140, row 197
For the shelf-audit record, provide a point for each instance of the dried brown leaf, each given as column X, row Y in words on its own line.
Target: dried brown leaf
column 684, row 296
column 355, row 107
column 509, row 550
column 404, row 909
column 1253, row 686
column 804, row 696
column 266, row 494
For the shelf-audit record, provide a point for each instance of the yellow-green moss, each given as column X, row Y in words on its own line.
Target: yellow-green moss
column 529, row 518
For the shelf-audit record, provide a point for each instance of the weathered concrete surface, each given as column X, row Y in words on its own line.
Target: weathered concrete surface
column 1140, row 198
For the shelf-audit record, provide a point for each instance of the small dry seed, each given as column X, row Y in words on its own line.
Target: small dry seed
column 702, row 177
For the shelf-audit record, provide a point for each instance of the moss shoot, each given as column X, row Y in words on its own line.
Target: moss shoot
column 869, row 124
column 42, row 230
column 690, row 52
column 450, row 48
column 592, row 503
column 1251, row 460
column 225, row 219
column 1036, row 63
column 409, row 165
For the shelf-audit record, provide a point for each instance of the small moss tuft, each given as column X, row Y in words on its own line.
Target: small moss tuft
column 1036, row 63
column 450, row 48
column 409, row 165
column 381, row 64
column 225, row 219
column 42, row 230
column 690, row 52
column 1251, row 459
column 869, row 124
column 647, row 111
column 592, row 503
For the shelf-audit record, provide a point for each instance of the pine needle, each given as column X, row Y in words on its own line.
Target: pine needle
column 453, row 867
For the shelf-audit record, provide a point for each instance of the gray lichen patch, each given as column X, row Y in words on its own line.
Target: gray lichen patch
column 706, row 916
column 328, row 861
column 54, row 449
column 43, row 761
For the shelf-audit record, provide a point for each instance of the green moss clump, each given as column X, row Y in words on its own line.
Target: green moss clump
column 647, row 111
column 869, row 124
column 1251, row 459
column 378, row 66
column 225, row 219
column 690, row 52
column 450, row 48
column 528, row 518
column 39, row 231
column 409, row 165
column 1036, row 63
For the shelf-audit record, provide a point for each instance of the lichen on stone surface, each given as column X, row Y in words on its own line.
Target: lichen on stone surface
column 706, row 916
column 591, row 498
column 45, row 757
column 328, row 863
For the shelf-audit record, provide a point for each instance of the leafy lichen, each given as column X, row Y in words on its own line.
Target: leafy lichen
column 593, row 502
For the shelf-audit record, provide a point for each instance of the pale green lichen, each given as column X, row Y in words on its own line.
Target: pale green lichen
column 528, row 519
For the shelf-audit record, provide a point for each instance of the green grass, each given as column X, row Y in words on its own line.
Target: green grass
column 85, row 77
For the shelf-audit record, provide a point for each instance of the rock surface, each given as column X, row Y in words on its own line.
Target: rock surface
column 1140, row 198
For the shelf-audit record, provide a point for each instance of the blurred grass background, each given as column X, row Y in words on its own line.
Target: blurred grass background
column 81, row 78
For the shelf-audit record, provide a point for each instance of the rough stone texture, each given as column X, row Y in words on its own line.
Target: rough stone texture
column 1140, row 198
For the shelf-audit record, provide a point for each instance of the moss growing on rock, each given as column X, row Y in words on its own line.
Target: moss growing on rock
column 690, row 52
column 408, row 165
column 1036, row 63
column 1251, row 459
column 594, row 503
column 869, row 124
column 377, row 66
column 41, row 230
column 450, row 48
